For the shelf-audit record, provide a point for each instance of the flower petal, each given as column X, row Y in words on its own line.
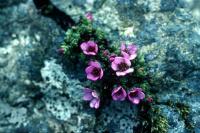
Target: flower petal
column 89, row 69
column 141, row 95
column 84, row 46
column 89, row 53
column 120, row 73
column 123, row 47
column 95, row 64
column 89, row 16
column 87, row 96
column 118, row 60
column 101, row 74
column 91, row 43
column 127, row 61
column 119, row 94
column 135, row 101
column 114, row 66
column 94, row 94
column 132, row 49
column 130, row 70
column 95, row 103
column 125, row 55
column 132, row 56
column 92, row 77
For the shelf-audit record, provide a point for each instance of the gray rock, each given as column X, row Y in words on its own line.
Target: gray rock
column 36, row 95
column 63, row 98
column 117, row 117
column 176, row 125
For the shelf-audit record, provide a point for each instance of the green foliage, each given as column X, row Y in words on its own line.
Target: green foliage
column 152, row 121
column 159, row 122
column 85, row 31
column 184, row 111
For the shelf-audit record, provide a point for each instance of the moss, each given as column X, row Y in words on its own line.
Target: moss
column 82, row 32
column 184, row 111
column 152, row 121
column 159, row 124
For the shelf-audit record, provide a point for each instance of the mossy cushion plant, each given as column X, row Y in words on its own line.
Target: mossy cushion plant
column 112, row 73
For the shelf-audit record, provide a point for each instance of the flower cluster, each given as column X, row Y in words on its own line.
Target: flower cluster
column 134, row 95
column 121, row 65
column 109, row 71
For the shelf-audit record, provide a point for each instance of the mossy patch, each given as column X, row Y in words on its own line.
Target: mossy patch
column 151, row 120
column 184, row 111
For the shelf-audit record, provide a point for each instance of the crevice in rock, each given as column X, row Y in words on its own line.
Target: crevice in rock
column 47, row 9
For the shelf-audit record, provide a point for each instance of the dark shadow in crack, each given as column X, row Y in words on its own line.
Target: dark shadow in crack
column 47, row 9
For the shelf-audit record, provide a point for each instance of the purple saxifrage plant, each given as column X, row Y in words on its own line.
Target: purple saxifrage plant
column 92, row 96
column 89, row 16
column 129, row 52
column 89, row 48
column 119, row 94
column 135, row 95
column 122, row 66
column 107, row 66
column 94, row 71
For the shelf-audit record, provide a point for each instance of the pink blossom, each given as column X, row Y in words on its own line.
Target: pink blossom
column 94, row 71
column 89, row 48
column 135, row 95
column 112, row 57
column 122, row 66
column 106, row 53
column 89, row 16
column 129, row 51
column 92, row 96
column 149, row 99
column 61, row 50
column 119, row 94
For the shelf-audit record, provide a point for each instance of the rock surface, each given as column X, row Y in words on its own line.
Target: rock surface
column 36, row 94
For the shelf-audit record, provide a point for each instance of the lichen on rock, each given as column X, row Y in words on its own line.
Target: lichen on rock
column 38, row 94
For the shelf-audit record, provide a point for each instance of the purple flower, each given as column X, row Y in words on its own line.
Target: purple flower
column 94, row 71
column 119, row 94
column 61, row 50
column 92, row 96
column 89, row 16
column 135, row 95
column 112, row 57
column 89, row 48
column 150, row 100
column 106, row 53
column 122, row 66
column 129, row 52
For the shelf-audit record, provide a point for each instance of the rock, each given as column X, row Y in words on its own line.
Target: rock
column 37, row 93
column 175, row 124
column 116, row 118
column 22, row 51
column 63, row 98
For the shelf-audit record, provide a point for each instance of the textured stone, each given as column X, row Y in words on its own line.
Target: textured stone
column 63, row 98
column 38, row 95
